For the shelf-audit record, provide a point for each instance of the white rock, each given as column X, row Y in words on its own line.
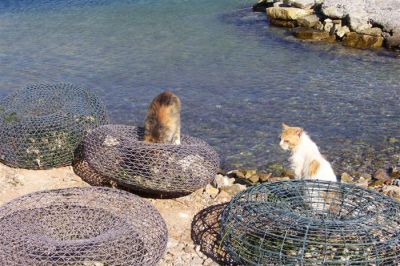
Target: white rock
column 332, row 11
column 328, row 25
column 342, row 31
column 359, row 21
column 221, row 181
column 382, row 12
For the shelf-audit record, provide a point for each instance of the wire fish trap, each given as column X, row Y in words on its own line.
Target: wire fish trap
column 81, row 226
column 42, row 125
column 118, row 153
column 312, row 223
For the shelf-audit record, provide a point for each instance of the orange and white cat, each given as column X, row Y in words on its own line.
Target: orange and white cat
column 306, row 160
column 163, row 120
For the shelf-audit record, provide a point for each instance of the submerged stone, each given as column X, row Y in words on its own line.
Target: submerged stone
column 360, row 41
column 311, row 34
column 283, row 23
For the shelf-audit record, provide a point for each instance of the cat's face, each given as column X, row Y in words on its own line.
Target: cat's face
column 290, row 137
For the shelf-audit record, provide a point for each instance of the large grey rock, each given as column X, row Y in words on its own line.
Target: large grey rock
column 363, row 13
column 392, row 42
column 328, row 25
column 372, row 31
column 359, row 21
column 340, row 32
column 308, row 21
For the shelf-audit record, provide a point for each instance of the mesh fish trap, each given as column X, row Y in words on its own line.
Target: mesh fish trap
column 81, row 226
column 42, row 125
column 312, row 223
column 118, row 153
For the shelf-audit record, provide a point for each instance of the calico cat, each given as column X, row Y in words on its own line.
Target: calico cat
column 306, row 160
column 163, row 120
column 308, row 163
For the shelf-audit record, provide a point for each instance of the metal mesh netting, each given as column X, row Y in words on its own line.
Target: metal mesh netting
column 81, row 226
column 117, row 153
column 42, row 125
column 312, row 223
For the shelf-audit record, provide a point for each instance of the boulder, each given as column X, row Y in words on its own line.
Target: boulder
column 360, row 41
column 381, row 174
column 372, row 31
column 288, row 13
column 234, row 189
column 342, row 31
column 221, row 181
column 319, row 26
column 311, row 34
column 308, row 21
column 283, row 23
column 359, row 21
column 346, row 178
column 392, row 42
column 363, row 14
column 332, row 11
column 328, row 25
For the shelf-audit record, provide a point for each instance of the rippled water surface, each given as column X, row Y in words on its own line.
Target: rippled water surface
column 238, row 78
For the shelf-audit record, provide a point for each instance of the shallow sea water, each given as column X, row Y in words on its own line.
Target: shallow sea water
column 238, row 78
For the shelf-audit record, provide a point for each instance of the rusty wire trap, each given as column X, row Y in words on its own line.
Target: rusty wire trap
column 312, row 223
column 81, row 226
column 42, row 125
column 118, row 153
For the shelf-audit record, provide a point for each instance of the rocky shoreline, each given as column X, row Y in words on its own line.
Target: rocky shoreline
column 362, row 24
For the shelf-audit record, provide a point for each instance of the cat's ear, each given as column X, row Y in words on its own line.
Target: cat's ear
column 284, row 126
column 299, row 131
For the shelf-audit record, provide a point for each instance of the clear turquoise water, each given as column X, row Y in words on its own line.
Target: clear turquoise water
column 238, row 78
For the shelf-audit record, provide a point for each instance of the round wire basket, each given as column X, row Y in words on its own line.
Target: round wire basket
column 312, row 223
column 42, row 125
column 118, row 153
column 81, row 226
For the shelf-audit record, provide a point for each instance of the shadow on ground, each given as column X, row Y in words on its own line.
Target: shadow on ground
column 206, row 229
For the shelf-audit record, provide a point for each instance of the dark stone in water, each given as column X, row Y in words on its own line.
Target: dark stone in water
column 361, row 41
column 311, row 34
column 283, row 23
column 261, row 6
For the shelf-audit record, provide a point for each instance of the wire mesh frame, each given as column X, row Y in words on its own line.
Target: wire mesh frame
column 42, row 125
column 312, row 223
column 118, row 153
column 81, row 226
